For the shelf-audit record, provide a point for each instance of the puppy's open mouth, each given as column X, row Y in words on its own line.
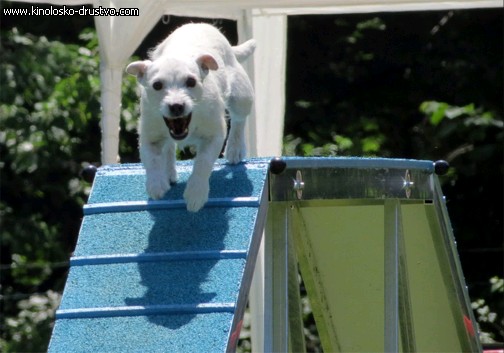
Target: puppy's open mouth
column 178, row 127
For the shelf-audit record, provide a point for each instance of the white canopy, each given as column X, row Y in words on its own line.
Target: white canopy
column 264, row 20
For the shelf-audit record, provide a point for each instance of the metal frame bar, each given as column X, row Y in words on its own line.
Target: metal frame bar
column 393, row 230
column 447, row 253
column 276, row 249
column 283, row 323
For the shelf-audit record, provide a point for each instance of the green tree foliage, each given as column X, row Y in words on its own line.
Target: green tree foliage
column 357, row 81
column 49, row 130
column 491, row 318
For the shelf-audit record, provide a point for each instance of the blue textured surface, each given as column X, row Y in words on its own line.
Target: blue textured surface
column 161, row 279
column 135, row 284
column 127, row 182
column 141, row 334
column 158, row 231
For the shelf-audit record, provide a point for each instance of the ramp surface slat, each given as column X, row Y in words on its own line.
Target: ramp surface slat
column 153, row 257
column 145, row 310
column 129, row 206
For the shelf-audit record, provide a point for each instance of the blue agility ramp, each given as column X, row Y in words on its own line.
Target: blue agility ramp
column 148, row 276
column 371, row 236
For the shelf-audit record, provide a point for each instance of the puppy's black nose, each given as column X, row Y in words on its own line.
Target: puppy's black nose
column 176, row 109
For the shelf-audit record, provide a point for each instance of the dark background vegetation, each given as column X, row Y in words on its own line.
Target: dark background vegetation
column 424, row 85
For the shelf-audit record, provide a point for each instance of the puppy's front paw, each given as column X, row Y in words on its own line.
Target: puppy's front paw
column 235, row 152
column 157, row 186
column 196, row 194
column 172, row 176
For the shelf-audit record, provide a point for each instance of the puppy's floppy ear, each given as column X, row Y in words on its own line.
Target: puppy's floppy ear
column 207, row 62
column 138, row 68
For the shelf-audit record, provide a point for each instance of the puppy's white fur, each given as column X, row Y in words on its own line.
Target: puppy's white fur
column 193, row 73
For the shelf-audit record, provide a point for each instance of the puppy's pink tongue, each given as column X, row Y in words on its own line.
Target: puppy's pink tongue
column 179, row 127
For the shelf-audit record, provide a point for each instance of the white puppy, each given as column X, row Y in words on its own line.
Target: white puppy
column 192, row 77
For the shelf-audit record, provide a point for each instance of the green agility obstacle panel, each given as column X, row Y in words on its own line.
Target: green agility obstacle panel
column 377, row 256
column 148, row 276
column 371, row 236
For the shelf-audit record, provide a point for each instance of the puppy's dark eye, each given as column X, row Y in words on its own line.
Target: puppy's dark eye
column 157, row 85
column 190, row 82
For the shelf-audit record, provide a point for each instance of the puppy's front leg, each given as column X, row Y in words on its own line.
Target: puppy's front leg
column 239, row 105
column 158, row 159
column 235, row 149
column 196, row 192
